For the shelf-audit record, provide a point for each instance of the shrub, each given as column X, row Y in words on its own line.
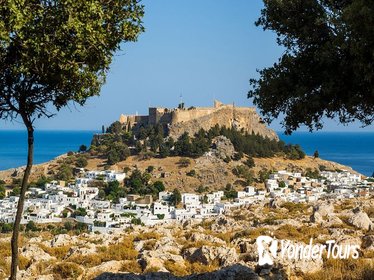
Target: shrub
column 67, row 270
column 131, row 266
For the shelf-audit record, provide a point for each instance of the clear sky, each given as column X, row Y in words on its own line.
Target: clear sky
column 202, row 50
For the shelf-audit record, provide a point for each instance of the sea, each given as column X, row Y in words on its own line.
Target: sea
column 355, row 149
column 48, row 145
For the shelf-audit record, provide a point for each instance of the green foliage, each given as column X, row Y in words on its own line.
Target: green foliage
column 243, row 171
column 326, row 68
column 15, row 191
column 150, row 142
column 201, row 189
column 81, row 162
column 316, row 154
column 82, row 148
column 191, row 173
column 65, row 172
column 68, row 225
column 113, row 191
column 31, row 226
column 282, row 184
column 160, row 216
column 136, row 221
column 6, row 228
column 176, row 197
column 116, row 152
column 184, row 162
column 54, row 52
column 230, row 192
column 294, row 152
column 159, row 186
column 250, row 162
column 139, row 183
column 79, row 212
column 150, row 169
column 312, row 174
column 2, row 191
column 263, row 175
column 115, row 128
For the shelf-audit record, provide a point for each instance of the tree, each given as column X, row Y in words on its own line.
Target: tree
column 31, row 226
column 250, row 162
column 81, row 162
column 53, row 53
column 65, row 172
column 2, row 191
column 327, row 67
column 316, row 154
column 115, row 128
column 176, row 197
column 82, row 148
column 159, row 186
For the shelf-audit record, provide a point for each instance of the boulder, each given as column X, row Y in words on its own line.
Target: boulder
column 207, row 254
column 333, row 220
column 113, row 266
column 61, row 240
column 324, row 208
column 361, row 221
column 316, row 217
column 196, row 237
column 34, row 253
column 368, row 242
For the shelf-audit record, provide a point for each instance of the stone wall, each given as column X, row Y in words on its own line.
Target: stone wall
column 178, row 121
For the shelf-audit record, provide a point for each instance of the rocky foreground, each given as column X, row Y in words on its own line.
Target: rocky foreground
column 219, row 248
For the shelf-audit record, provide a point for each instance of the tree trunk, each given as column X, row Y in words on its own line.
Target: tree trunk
column 14, row 242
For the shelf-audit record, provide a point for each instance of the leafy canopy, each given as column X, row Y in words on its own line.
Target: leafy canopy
column 54, row 52
column 327, row 67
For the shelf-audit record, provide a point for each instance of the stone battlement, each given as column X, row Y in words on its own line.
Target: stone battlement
column 178, row 120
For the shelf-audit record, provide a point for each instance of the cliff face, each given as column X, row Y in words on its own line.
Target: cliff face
column 226, row 115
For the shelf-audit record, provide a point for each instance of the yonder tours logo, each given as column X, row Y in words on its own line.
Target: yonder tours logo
column 271, row 249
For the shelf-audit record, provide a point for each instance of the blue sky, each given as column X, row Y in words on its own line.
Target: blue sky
column 202, row 50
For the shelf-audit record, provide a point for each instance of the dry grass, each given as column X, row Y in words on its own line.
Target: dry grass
column 58, row 252
column 147, row 236
column 187, row 268
column 132, row 267
column 251, row 233
column 67, row 270
column 149, row 245
column 124, row 250
column 303, row 233
column 344, row 270
column 151, row 269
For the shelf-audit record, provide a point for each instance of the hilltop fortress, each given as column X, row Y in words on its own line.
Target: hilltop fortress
column 179, row 120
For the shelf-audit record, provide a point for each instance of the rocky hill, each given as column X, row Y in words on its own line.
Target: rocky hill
column 245, row 119
column 211, row 170
column 179, row 120
column 217, row 248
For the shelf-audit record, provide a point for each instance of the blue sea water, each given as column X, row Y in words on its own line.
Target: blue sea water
column 355, row 149
column 48, row 145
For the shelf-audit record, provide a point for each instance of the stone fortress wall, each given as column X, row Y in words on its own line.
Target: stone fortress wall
column 177, row 121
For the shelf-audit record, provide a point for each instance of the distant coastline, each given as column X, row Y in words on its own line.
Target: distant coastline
column 49, row 144
column 353, row 149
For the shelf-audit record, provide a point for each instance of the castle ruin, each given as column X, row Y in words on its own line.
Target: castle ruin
column 179, row 120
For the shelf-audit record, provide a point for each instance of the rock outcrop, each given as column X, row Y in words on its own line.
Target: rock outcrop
column 361, row 220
